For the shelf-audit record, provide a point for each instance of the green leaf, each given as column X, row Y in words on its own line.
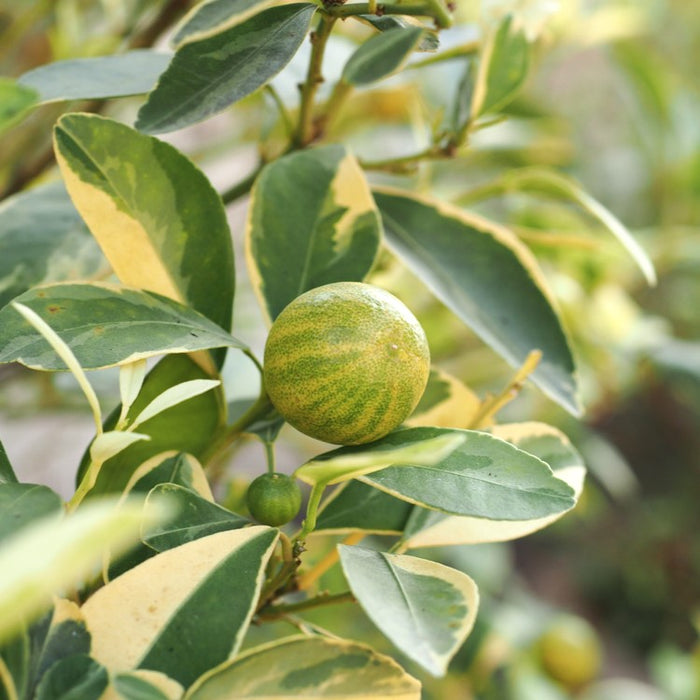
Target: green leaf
column 208, row 75
column 381, row 55
column 484, row 476
column 429, row 41
column 489, row 279
column 461, row 108
column 213, row 16
column 104, row 325
column 43, row 239
column 430, row 528
column 503, row 68
column 311, row 221
column 170, row 468
column 187, row 427
column 348, row 463
column 67, row 635
column 56, row 553
column 76, row 677
column 7, row 474
column 299, row 667
column 155, row 215
column 131, row 73
column 357, row 506
column 426, row 609
column 15, row 101
column 22, row 504
column 188, row 622
column 197, row 517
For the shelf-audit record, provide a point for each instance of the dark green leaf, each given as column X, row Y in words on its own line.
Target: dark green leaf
column 156, row 216
column 196, row 517
column 104, row 325
column 99, row 77
column 489, row 279
column 7, row 474
column 210, row 16
column 22, row 504
column 198, row 622
column 208, row 75
column 484, row 476
column 311, row 222
column 357, row 506
column 381, row 55
column 43, row 239
column 76, row 677
column 428, row 42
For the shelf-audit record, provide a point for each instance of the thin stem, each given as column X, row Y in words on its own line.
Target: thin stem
column 240, row 189
column 304, row 132
column 273, row 612
column 341, row 91
column 403, row 164
column 309, row 523
column 307, row 579
column 8, row 683
column 85, row 486
column 430, row 8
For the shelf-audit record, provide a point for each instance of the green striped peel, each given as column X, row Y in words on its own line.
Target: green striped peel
column 346, row 363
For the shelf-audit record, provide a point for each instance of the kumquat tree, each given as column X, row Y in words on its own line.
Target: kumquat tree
column 318, row 280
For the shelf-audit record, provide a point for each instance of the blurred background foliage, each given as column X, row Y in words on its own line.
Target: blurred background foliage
column 612, row 100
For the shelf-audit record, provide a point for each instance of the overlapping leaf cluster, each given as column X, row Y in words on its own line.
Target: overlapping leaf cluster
column 170, row 618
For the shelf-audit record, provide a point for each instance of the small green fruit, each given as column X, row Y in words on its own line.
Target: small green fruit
column 273, row 499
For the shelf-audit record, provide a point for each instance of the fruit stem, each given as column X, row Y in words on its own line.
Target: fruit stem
column 309, row 523
column 270, row 455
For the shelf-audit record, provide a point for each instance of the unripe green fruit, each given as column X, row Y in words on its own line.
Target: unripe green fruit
column 346, row 363
column 273, row 499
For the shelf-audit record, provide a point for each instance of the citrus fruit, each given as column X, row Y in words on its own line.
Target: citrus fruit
column 346, row 363
column 570, row 651
column 273, row 499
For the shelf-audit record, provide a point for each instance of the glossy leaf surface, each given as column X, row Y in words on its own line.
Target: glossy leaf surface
column 184, row 624
column 489, row 279
column 304, row 666
column 311, row 221
column 430, row 528
column 104, row 325
column 426, row 609
column 157, row 218
column 381, row 55
column 208, row 75
column 482, row 476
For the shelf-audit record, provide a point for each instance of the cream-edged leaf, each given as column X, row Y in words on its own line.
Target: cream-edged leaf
column 177, row 612
column 305, row 667
column 426, row 609
column 311, row 221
